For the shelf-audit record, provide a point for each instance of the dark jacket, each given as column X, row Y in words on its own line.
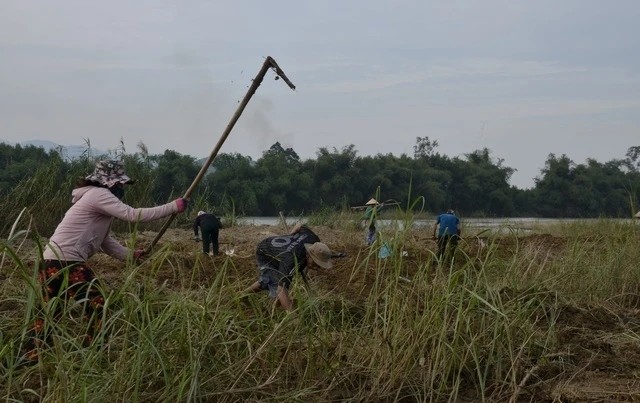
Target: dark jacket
column 206, row 222
column 286, row 252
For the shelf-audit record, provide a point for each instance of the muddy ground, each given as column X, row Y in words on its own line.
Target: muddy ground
column 598, row 349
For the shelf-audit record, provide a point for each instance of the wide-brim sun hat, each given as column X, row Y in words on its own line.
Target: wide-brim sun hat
column 320, row 253
column 109, row 173
column 371, row 202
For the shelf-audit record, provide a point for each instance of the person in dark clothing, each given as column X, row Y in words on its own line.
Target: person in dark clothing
column 209, row 225
column 279, row 257
column 448, row 231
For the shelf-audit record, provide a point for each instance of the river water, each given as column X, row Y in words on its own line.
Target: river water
column 519, row 225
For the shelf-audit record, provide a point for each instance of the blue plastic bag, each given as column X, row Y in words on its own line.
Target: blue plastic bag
column 385, row 251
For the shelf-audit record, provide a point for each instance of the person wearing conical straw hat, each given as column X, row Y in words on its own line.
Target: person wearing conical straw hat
column 369, row 217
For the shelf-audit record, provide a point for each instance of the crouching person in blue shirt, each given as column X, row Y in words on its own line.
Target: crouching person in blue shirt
column 447, row 228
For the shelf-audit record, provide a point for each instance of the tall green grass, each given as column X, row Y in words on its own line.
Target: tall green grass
column 391, row 329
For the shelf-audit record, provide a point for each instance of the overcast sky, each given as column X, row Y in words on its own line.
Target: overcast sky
column 521, row 78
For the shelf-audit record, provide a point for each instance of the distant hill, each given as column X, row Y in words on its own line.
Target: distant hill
column 68, row 152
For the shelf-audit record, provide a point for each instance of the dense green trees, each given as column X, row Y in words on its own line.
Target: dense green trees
column 475, row 185
column 18, row 162
column 231, row 184
column 173, row 175
column 334, row 175
column 585, row 190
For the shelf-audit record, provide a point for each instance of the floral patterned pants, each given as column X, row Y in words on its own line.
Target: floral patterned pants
column 67, row 280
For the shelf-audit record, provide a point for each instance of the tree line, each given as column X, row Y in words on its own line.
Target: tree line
column 476, row 184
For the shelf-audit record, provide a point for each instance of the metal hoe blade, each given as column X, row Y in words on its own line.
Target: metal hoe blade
column 269, row 63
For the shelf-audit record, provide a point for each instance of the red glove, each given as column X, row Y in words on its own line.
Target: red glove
column 182, row 204
column 138, row 254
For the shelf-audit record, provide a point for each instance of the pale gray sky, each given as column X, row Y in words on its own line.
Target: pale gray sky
column 522, row 78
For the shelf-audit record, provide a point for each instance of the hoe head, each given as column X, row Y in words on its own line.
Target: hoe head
column 279, row 73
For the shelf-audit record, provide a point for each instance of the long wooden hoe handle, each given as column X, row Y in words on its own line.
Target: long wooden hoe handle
column 268, row 63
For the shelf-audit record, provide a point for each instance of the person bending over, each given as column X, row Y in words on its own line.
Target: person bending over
column 279, row 257
column 209, row 225
column 447, row 228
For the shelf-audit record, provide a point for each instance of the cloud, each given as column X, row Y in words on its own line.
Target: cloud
column 172, row 74
column 377, row 77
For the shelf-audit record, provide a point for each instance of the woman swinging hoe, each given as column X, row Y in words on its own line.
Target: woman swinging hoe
column 84, row 231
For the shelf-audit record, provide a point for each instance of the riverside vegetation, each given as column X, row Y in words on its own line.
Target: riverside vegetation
column 549, row 316
column 475, row 184
column 552, row 315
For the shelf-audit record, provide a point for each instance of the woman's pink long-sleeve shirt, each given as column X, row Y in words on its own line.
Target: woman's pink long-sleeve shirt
column 85, row 228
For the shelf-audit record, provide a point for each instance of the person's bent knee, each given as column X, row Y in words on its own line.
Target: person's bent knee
column 283, row 298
